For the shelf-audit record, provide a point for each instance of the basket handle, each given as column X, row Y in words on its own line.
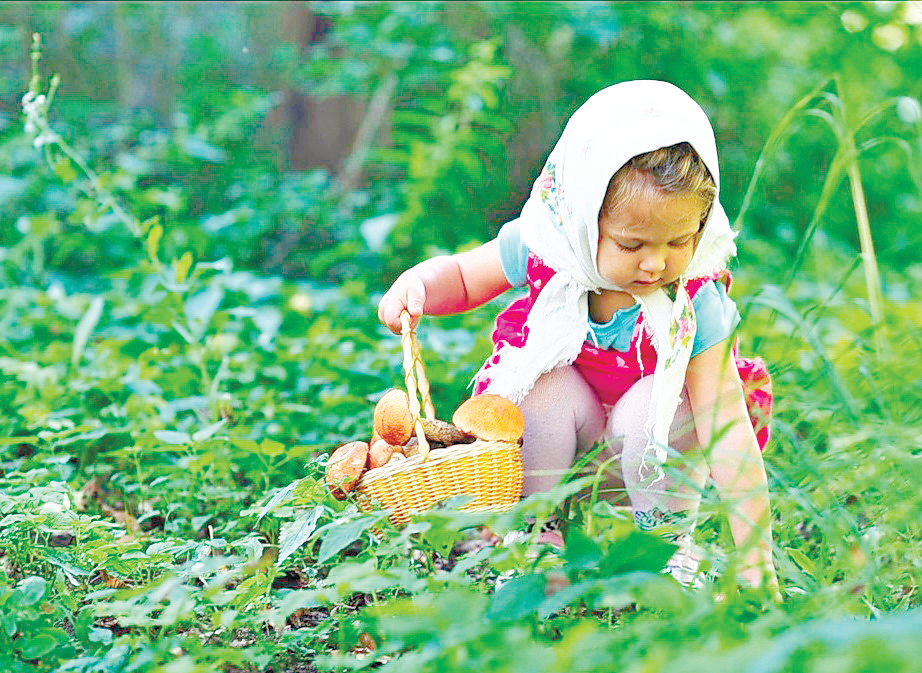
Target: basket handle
column 416, row 381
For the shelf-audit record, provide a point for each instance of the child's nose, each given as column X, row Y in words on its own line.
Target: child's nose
column 653, row 262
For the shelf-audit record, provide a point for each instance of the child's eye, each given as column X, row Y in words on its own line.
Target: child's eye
column 628, row 248
column 683, row 242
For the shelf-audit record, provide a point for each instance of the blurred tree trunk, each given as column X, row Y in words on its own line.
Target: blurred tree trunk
column 147, row 56
column 321, row 130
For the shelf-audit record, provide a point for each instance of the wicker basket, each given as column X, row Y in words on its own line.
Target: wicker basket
column 489, row 472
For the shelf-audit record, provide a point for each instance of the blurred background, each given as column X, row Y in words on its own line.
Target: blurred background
column 338, row 140
column 281, row 162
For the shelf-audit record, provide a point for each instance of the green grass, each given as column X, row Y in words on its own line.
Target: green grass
column 163, row 430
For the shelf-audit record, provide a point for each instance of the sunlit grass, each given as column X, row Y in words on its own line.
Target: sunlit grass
column 163, row 507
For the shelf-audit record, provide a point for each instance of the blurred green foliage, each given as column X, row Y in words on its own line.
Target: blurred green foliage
column 177, row 100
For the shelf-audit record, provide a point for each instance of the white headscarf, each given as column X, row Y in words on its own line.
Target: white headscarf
column 560, row 224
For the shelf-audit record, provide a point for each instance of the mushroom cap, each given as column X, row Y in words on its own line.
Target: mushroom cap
column 379, row 452
column 345, row 466
column 393, row 418
column 490, row 417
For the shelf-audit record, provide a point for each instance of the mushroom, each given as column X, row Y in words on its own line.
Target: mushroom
column 411, row 448
column 379, row 453
column 345, row 466
column 394, row 423
column 393, row 418
column 444, row 433
column 491, row 418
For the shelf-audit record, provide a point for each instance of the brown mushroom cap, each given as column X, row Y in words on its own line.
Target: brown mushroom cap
column 379, row 453
column 345, row 466
column 490, row 417
column 393, row 418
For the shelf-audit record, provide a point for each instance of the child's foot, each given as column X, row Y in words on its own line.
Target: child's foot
column 549, row 534
column 683, row 565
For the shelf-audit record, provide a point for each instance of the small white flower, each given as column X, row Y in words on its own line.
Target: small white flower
column 46, row 137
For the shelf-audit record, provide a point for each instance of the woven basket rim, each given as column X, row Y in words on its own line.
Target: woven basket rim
column 435, row 457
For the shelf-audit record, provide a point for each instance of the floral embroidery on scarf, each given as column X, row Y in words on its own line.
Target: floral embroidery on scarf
column 681, row 330
column 549, row 190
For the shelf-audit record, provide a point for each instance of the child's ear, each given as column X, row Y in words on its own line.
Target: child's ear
column 705, row 214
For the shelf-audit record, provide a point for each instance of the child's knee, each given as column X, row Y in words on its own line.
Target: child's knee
column 562, row 390
column 562, row 402
column 629, row 415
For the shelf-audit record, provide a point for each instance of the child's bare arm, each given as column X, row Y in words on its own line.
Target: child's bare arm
column 444, row 285
column 722, row 423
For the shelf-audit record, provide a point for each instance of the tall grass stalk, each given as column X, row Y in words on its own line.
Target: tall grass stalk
column 871, row 272
column 830, row 107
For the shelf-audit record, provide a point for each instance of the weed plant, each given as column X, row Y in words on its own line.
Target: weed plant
column 164, row 430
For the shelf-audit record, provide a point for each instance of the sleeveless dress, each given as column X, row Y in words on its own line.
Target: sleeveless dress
column 611, row 372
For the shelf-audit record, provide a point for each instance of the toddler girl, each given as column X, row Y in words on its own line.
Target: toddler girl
column 626, row 334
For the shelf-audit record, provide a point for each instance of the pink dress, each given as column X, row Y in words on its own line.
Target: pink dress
column 610, row 372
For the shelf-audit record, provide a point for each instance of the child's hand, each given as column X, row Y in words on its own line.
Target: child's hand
column 408, row 293
column 444, row 285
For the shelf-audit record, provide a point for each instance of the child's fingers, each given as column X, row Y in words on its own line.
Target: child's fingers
column 389, row 313
column 415, row 300
column 405, row 295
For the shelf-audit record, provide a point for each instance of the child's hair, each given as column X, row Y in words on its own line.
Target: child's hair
column 676, row 169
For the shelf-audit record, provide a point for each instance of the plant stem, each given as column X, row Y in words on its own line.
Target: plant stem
column 871, row 272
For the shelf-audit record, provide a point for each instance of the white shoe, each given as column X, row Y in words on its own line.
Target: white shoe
column 683, row 565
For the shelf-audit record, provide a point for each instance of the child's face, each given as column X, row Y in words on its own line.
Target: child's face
column 649, row 241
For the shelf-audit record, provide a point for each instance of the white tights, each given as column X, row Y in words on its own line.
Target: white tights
column 564, row 419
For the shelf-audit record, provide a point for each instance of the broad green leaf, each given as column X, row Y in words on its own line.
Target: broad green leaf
column 282, row 496
column 148, row 223
column 36, row 645
column 201, row 307
column 85, row 328
column 153, row 242
column 246, row 444
column 270, row 447
column 41, row 226
column 643, row 588
column 31, row 589
column 64, row 169
column 297, row 532
column 339, row 536
column 100, row 635
column 208, row 432
column 7, row 441
column 8, row 624
column 11, row 519
column 802, row 560
column 517, row 597
column 638, row 550
column 182, row 266
column 250, row 589
column 581, row 551
column 570, row 593
column 173, row 437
